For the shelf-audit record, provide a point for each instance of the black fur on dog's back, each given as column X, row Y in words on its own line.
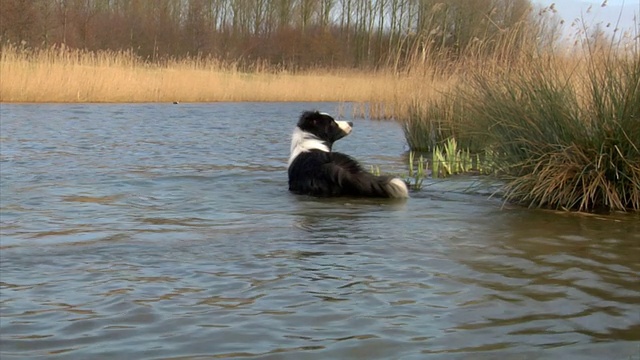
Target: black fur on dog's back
column 328, row 174
column 315, row 170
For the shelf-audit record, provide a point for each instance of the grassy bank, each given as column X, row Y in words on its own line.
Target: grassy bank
column 564, row 129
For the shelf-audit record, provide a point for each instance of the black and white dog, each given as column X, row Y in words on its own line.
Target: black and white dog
column 315, row 170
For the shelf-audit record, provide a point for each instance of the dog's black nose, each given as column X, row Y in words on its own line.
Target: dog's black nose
column 350, row 123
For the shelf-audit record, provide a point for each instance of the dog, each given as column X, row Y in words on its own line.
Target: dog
column 317, row 171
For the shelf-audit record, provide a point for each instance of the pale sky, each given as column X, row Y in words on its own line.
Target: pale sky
column 624, row 12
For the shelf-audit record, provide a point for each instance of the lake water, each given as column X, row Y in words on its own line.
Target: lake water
column 158, row 231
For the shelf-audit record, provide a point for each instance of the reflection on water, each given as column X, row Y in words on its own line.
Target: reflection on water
column 166, row 231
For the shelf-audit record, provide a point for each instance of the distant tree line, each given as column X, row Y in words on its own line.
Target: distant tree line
column 293, row 34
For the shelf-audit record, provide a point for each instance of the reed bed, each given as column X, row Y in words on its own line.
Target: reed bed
column 564, row 133
column 570, row 140
column 58, row 74
column 561, row 124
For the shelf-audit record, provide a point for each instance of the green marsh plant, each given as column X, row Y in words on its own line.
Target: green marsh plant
column 450, row 160
column 417, row 171
column 433, row 122
column 567, row 138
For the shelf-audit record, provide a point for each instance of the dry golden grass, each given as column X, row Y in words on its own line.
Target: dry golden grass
column 561, row 125
column 63, row 75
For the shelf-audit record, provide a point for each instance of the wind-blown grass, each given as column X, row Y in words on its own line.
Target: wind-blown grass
column 60, row 74
column 568, row 139
column 563, row 128
column 432, row 123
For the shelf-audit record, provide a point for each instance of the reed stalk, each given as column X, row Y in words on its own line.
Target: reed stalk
column 59, row 74
column 562, row 127
column 567, row 138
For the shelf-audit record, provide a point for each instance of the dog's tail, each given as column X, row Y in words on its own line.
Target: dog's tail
column 396, row 188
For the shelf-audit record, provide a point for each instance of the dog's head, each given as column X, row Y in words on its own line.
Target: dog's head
column 323, row 126
column 316, row 131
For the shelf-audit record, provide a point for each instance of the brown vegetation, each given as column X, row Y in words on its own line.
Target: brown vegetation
column 560, row 124
column 284, row 34
column 64, row 75
column 385, row 53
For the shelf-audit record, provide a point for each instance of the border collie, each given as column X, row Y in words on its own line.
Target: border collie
column 316, row 170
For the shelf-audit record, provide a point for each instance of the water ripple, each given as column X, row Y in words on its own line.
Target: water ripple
column 167, row 232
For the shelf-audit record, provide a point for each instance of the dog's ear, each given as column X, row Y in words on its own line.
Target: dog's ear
column 315, row 116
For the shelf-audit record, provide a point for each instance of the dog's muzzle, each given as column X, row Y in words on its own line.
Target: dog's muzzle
column 346, row 126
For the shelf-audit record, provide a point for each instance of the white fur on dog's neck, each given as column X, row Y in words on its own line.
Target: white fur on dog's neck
column 302, row 141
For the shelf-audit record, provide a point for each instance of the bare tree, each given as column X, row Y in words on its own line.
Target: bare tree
column 289, row 33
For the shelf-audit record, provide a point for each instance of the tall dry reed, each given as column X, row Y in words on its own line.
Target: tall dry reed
column 58, row 74
column 568, row 139
column 564, row 125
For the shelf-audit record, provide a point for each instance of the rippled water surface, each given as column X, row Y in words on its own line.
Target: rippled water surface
column 166, row 231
